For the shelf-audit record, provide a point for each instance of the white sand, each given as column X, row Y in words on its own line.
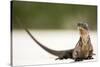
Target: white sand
column 27, row 52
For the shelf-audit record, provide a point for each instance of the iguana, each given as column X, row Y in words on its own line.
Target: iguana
column 83, row 49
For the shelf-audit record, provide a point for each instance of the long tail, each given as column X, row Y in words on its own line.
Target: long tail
column 54, row 52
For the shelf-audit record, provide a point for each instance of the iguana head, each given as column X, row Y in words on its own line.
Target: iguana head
column 83, row 28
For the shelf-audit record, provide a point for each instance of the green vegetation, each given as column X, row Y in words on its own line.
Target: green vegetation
column 38, row 15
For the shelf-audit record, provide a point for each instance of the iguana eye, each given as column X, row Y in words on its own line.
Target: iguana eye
column 83, row 25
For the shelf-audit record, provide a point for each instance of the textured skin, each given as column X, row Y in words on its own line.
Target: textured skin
column 84, row 48
column 65, row 54
column 82, row 51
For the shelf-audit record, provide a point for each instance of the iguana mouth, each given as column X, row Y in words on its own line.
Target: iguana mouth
column 83, row 25
column 83, row 28
column 82, row 31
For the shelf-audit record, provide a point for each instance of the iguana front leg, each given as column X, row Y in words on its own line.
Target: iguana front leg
column 59, row 58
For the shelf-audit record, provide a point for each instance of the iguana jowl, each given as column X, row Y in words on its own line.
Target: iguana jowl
column 83, row 49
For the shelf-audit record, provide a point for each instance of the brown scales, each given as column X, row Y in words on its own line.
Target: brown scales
column 82, row 51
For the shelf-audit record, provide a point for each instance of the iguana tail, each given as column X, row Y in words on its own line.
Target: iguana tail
column 54, row 52
column 60, row 54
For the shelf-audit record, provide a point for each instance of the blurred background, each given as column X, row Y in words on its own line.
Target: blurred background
column 38, row 15
column 53, row 25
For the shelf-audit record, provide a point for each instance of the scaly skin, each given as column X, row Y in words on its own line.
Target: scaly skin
column 82, row 51
column 84, row 48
